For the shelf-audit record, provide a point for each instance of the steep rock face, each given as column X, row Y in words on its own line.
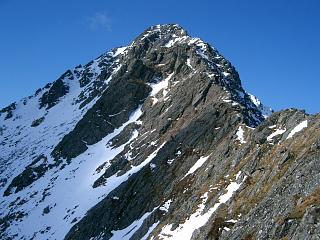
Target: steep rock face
column 162, row 143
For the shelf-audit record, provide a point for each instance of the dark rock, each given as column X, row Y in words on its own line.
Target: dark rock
column 56, row 91
column 37, row 122
column 32, row 172
column 9, row 110
column 46, row 210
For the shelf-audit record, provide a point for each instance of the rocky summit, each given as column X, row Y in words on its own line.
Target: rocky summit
column 157, row 140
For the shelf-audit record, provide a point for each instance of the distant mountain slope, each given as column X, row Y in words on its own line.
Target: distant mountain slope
column 156, row 140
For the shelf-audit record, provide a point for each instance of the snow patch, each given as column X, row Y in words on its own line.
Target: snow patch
column 266, row 111
column 276, row 133
column 152, row 166
column 226, row 74
column 298, row 128
column 240, row 135
column 189, row 64
column 153, row 226
column 119, row 51
column 127, row 233
column 232, row 221
column 170, row 161
column 198, row 219
column 166, row 206
column 157, row 87
column 197, row 165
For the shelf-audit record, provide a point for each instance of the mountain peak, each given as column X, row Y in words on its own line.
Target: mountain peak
column 172, row 40
column 161, row 34
column 155, row 139
column 164, row 30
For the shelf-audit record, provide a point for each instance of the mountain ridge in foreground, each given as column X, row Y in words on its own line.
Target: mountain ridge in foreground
column 156, row 140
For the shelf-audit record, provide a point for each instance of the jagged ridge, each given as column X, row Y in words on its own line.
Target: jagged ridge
column 146, row 118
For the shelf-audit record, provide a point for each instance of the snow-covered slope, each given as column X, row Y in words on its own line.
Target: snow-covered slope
column 32, row 133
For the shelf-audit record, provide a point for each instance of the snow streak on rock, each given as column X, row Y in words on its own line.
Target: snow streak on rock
column 298, row 128
column 197, row 165
column 199, row 218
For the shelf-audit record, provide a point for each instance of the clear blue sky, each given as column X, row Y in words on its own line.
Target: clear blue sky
column 274, row 44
